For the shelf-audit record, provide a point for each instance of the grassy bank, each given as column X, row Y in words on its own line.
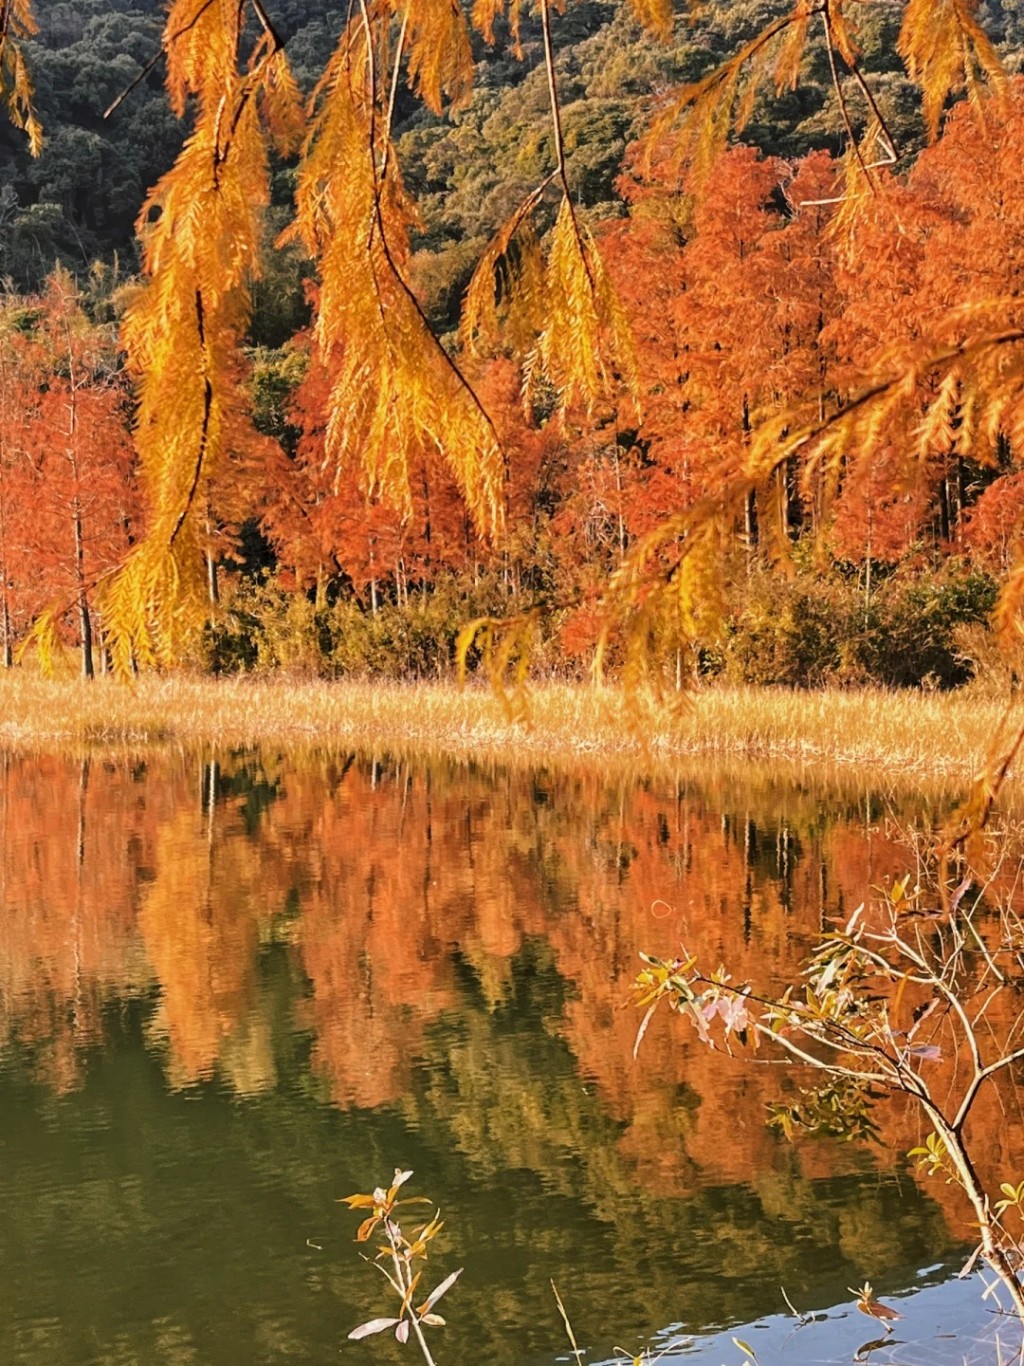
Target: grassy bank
column 895, row 736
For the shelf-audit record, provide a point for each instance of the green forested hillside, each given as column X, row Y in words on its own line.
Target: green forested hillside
column 79, row 200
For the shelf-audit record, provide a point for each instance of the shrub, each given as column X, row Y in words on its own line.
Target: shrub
column 815, row 629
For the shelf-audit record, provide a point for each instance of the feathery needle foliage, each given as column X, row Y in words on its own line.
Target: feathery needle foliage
column 17, row 24
column 395, row 396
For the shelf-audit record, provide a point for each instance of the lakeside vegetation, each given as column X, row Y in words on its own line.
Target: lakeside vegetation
column 397, row 452
column 893, row 738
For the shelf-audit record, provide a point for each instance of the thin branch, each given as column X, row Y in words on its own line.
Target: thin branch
column 157, row 57
column 837, row 85
column 1010, row 337
column 277, row 42
column 204, row 431
column 392, row 97
column 979, row 1080
column 378, row 221
column 556, row 123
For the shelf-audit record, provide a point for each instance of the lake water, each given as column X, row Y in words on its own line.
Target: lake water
column 234, row 991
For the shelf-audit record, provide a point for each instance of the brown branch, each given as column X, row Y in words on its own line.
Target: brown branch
column 157, row 57
column 378, row 215
column 556, row 123
column 204, row 435
column 277, row 42
column 872, row 103
column 393, row 96
column 838, row 87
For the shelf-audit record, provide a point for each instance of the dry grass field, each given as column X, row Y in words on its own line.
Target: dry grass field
column 892, row 737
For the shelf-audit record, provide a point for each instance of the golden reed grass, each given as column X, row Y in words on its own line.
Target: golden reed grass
column 904, row 738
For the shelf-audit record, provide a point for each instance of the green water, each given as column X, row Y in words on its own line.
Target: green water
column 231, row 994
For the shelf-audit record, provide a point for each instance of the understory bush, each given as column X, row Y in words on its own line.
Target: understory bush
column 813, row 629
column 264, row 627
column 807, row 630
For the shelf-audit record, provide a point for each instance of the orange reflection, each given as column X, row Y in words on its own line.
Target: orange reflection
column 400, row 895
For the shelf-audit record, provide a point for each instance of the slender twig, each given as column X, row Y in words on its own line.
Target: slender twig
column 837, row 84
column 393, row 96
column 406, row 1280
column 378, row 226
column 576, row 1351
column 556, row 124
column 158, row 57
column 204, row 431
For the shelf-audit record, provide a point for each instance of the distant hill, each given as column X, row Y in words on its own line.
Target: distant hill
column 79, row 200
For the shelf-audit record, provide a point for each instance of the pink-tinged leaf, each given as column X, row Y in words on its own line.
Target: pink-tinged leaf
column 367, row 1330
column 643, row 1027
column 401, row 1178
column 960, row 893
column 438, row 1291
column 699, row 1023
column 927, row 1052
column 402, row 1331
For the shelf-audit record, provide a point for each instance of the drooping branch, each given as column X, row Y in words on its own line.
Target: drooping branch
column 204, row 430
column 559, row 140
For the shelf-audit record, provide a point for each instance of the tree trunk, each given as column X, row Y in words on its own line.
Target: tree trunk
column 750, row 523
column 84, row 616
column 5, row 623
column 944, row 509
column 86, row 623
column 618, row 507
column 750, row 503
column 212, row 587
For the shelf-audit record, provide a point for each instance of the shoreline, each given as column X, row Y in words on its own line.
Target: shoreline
column 897, row 739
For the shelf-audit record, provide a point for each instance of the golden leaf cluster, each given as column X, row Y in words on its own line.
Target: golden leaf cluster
column 201, row 230
column 393, row 387
column 17, row 24
column 557, row 309
column 946, row 49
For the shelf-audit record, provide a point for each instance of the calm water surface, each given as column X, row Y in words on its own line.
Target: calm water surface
column 234, row 991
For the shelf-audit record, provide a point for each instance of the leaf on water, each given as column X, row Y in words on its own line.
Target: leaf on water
column 927, row 1052
column 366, row 1330
column 648, row 1013
column 402, row 1331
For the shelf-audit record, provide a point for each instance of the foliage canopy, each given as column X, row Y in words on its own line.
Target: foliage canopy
column 394, row 393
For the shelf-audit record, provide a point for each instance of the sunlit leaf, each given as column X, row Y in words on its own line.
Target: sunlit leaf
column 438, row 1291
column 366, row 1330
